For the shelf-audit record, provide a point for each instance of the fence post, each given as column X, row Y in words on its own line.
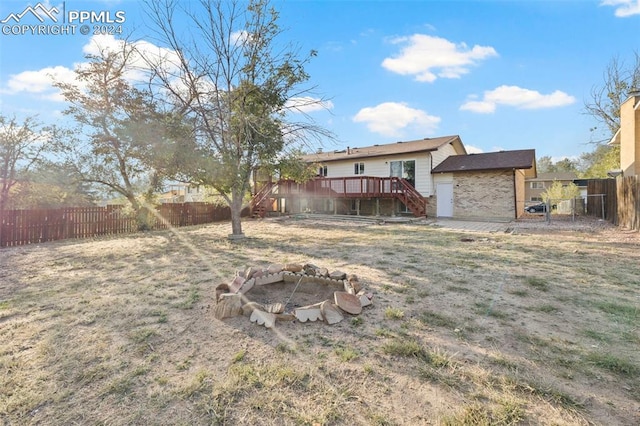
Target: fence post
column 547, row 211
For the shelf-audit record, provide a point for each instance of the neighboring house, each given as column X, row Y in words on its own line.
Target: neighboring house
column 431, row 176
column 582, row 187
column 628, row 136
column 194, row 193
column 175, row 194
column 535, row 186
column 488, row 185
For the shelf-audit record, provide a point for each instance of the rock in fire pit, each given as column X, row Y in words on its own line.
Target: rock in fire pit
column 291, row 292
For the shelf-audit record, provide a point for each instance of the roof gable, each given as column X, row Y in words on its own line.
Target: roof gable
column 502, row 160
column 420, row 145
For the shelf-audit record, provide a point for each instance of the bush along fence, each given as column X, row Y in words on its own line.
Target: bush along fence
column 20, row 227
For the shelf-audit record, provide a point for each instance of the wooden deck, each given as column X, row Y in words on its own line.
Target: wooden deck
column 361, row 187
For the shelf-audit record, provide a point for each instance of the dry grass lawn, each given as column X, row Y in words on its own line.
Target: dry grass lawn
column 501, row 328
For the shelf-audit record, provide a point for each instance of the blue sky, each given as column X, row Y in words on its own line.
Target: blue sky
column 504, row 74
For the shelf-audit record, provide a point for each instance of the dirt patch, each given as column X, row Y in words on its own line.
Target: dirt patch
column 283, row 292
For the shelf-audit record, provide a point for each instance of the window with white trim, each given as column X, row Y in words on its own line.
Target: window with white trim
column 358, row 168
column 536, row 185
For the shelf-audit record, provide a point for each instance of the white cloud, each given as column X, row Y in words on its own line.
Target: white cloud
column 517, row 97
column 391, row 118
column 428, row 57
column 306, row 104
column 40, row 82
column 143, row 56
column 624, row 8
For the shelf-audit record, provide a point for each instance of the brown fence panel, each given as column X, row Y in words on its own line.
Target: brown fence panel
column 19, row 227
column 602, row 196
column 629, row 202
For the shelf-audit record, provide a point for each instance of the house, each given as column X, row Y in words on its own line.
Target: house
column 175, row 194
column 488, row 185
column 194, row 193
column 431, row 176
column 535, row 186
column 628, row 136
column 388, row 179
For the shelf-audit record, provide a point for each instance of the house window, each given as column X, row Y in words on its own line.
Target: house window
column 405, row 170
column 322, row 171
column 536, row 199
column 536, row 185
column 358, row 168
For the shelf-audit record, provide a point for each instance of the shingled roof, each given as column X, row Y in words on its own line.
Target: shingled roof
column 420, row 145
column 518, row 159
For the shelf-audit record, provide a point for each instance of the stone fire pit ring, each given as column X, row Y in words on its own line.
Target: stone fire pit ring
column 348, row 295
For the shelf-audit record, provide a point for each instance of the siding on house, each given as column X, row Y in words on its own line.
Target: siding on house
column 380, row 167
column 630, row 135
column 440, row 155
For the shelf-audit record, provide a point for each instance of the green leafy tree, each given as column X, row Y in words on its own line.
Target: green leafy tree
column 566, row 165
column 236, row 85
column 119, row 128
column 49, row 185
column 22, row 145
column 599, row 162
column 560, row 191
column 545, row 164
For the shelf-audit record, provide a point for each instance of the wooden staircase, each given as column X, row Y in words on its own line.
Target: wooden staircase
column 259, row 204
column 411, row 198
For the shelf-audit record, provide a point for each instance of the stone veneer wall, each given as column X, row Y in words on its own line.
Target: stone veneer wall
column 484, row 195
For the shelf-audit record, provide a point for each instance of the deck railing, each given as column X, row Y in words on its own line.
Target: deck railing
column 346, row 187
column 349, row 187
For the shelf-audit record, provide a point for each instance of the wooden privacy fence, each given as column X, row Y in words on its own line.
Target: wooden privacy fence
column 628, row 194
column 621, row 198
column 20, row 227
column 601, row 199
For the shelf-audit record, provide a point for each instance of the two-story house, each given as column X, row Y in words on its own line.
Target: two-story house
column 400, row 178
column 536, row 186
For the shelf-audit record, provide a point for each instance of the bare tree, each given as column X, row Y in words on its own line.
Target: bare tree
column 604, row 105
column 236, row 86
column 22, row 145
